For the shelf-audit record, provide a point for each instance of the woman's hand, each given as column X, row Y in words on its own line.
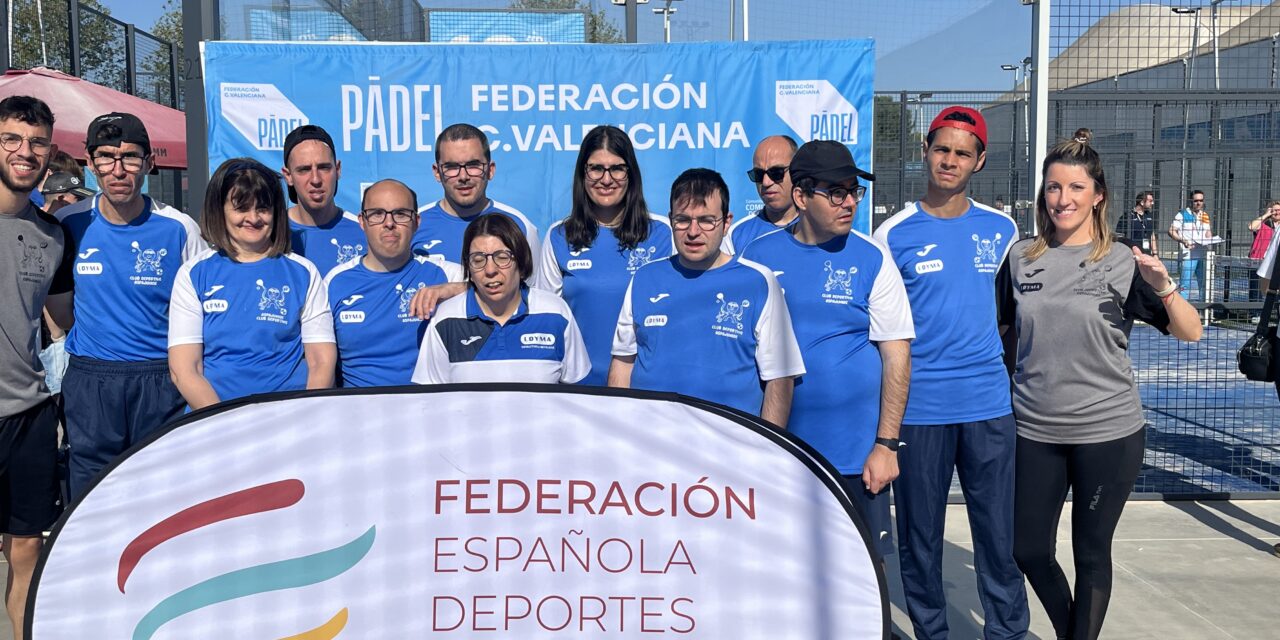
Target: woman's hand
column 1152, row 270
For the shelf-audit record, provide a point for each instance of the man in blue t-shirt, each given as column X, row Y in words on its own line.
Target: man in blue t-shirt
column 948, row 249
column 853, row 323
column 378, row 338
column 128, row 248
column 705, row 323
column 320, row 230
column 770, row 171
column 464, row 168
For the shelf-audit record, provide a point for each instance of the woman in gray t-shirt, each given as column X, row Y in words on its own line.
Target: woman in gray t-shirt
column 1072, row 294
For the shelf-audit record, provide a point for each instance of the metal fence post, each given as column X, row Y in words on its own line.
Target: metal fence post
column 130, row 62
column 904, row 129
column 173, row 74
column 200, row 19
column 73, row 36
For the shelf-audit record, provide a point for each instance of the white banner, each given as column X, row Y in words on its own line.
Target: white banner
column 520, row 510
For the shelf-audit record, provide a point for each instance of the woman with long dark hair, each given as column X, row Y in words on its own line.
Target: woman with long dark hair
column 589, row 257
column 248, row 316
column 1072, row 294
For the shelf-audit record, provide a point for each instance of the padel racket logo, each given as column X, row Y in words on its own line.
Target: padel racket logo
column 292, row 573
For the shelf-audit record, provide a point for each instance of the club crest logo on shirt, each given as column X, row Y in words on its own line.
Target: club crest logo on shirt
column 406, row 296
column 729, row 317
column 1093, row 282
column 32, row 265
column 148, row 260
column 272, row 302
column 347, row 252
column 839, row 279
column 639, row 257
column 986, row 259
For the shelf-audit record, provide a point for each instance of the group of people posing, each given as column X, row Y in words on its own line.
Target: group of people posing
column 886, row 353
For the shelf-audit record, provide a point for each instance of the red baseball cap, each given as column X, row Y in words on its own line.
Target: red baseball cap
column 979, row 128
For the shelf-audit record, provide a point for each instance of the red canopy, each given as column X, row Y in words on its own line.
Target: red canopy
column 75, row 103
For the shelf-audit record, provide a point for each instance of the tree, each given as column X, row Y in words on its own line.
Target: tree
column 101, row 41
column 599, row 28
column 890, row 129
column 153, row 71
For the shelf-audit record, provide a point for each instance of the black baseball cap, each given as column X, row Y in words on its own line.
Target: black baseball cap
column 63, row 182
column 128, row 128
column 825, row 161
column 300, row 135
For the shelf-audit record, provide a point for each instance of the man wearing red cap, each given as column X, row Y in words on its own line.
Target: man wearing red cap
column 948, row 249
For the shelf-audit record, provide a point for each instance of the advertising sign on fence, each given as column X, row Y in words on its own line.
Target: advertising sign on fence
column 684, row 105
column 519, row 510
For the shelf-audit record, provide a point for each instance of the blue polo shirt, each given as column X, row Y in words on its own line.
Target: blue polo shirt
column 252, row 319
column 713, row 334
column 949, row 267
column 593, row 280
column 378, row 338
column 843, row 295
column 539, row 343
column 329, row 245
column 124, row 276
column 745, row 230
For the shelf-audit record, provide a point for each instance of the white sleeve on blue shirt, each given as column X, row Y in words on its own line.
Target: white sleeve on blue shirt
column 889, row 306
column 576, row 363
column 453, row 271
column 777, row 352
column 186, row 316
column 547, row 276
column 624, row 336
column 317, row 317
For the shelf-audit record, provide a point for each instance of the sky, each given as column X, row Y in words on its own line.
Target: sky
column 924, row 45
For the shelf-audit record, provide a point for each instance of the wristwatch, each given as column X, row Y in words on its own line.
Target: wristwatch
column 891, row 444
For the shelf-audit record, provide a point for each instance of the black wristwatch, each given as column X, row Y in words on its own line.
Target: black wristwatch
column 891, row 444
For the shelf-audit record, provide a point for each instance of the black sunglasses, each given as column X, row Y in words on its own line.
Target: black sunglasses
column 775, row 174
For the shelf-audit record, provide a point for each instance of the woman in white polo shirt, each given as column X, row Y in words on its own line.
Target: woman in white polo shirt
column 501, row 330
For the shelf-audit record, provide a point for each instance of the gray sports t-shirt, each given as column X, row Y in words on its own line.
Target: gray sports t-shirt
column 1073, row 380
column 32, row 265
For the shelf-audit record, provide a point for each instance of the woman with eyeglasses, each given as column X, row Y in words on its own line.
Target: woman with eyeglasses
column 248, row 316
column 501, row 330
column 590, row 256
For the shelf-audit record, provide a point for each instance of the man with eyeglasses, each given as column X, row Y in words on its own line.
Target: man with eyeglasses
column 948, row 249
column 464, row 168
column 34, row 268
column 852, row 320
column 706, row 323
column 378, row 338
column 769, row 171
column 117, row 389
column 1192, row 232
column 319, row 229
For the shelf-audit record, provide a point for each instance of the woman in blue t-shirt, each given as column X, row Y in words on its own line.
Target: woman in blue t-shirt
column 248, row 316
column 500, row 330
column 590, row 256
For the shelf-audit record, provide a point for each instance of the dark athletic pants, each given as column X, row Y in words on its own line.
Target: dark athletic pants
column 982, row 453
column 1100, row 477
column 111, row 406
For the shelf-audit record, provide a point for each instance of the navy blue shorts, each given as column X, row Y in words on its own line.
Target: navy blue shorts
column 30, row 499
column 874, row 509
column 111, row 406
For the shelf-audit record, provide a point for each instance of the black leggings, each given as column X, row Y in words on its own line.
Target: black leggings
column 1100, row 477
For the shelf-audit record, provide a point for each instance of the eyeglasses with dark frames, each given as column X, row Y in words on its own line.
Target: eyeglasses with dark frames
column 379, row 216
column 706, row 223
column 132, row 163
column 502, row 258
column 836, row 195
column 776, row 174
column 475, row 169
column 618, row 172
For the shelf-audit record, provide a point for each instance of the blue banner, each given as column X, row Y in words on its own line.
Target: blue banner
column 684, row 105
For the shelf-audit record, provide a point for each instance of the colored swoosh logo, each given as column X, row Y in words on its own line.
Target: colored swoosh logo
column 259, row 499
column 326, row 631
column 273, row 576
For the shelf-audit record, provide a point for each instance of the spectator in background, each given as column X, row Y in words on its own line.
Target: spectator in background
column 1191, row 229
column 61, row 189
column 1264, row 229
column 1138, row 225
column 59, row 162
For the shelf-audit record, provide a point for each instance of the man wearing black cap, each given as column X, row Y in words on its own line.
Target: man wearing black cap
column 853, row 324
column 948, row 249
column 128, row 248
column 61, row 189
column 321, row 231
